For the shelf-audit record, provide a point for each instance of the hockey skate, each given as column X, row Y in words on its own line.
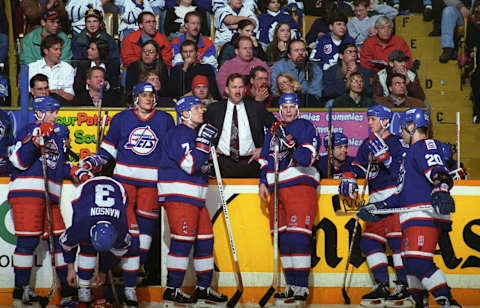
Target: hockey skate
column 174, row 297
column 24, row 296
column 420, row 303
column 207, row 297
column 300, row 296
column 445, row 302
column 400, row 297
column 377, row 297
column 68, row 296
column 285, row 298
column 131, row 297
column 84, row 295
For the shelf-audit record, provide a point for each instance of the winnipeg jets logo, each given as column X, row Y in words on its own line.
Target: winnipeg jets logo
column 327, row 49
column 52, row 154
column 142, row 141
column 374, row 170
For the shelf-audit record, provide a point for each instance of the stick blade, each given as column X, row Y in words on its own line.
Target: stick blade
column 234, row 299
column 266, row 297
column 345, row 296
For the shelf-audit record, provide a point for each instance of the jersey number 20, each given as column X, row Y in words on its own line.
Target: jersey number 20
column 433, row 159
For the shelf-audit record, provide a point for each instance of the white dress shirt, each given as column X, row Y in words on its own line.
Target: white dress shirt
column 244, row 134
column 60, row 76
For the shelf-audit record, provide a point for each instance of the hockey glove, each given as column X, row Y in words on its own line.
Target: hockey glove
column 285, row 140
column 92, row 163
column 441, row 199
column 206, row 133
column 365, row 211
column 348, row 185
column 40, row 132
column 380, row 151
column 80, row 174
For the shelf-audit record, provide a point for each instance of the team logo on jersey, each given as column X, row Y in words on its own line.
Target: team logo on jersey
column 430, row 144
column 142, row 141
column 374, row 170
column 51, row 153
column 327, row 49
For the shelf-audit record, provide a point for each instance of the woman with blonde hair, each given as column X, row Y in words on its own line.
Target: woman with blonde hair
column 286, row 83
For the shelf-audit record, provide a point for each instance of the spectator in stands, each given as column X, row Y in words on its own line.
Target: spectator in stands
column 245, row 28
column 259, row 88
column 94, row 29
column 97, row 56
column 132, row 17
column 320, row 7
column 3, row 34
column 132, row 43
column 398, row 98
column 228, row 16
column 207, row 52
column 60, row 74
column 278, row 48
column 162, row 99
column 452, row 16
column 182, row 74
column 361, row 25
column 31, row 50
column 375, row 49
column 320, row 25
column 39, row 85
column 325, row 52
column 397, row 63
column 35, row 9
column 473, row 41
column 90, row 95
column 286, row 83
column 354, row 96
column 241, row 130
column 334, row 78
column 175, row 19
column 273, row 14
column 200, row 86
column 242, row 63
column 149, row 60
column 309, row 75
column 77, row 9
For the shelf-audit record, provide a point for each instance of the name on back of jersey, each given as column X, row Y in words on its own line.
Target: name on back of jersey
column 105, row 211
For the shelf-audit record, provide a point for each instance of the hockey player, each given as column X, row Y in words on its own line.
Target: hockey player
column 340, row 161
column 298, row 179
column 99, row 224
column 6, row 137
column 183, row 182
column 27, row 195
column 386, row 151
column 133, row 140
column 423, row 180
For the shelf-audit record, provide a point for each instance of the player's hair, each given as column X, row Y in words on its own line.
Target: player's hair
column 188, row 43
column 95, row 68
column 38, row 78
column 393, row 75
column 383, row 20
column 189, row 14
column 49, row 41
column 236, row 43
column 140, row 16
column 337, row 15
column 348, row 84
column 296, row 85
column 365, row 3
column 102, row 46
column 234, row 76
column 245, row 22
column 345, row 46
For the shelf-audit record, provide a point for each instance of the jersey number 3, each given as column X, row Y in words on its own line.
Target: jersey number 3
column 433, row 159
column 102, row 195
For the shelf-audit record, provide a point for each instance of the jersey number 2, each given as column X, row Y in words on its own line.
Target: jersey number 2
column 102, row 195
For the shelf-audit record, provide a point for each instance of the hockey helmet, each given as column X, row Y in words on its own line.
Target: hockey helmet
column 186, row 103
column 396, row 124
column 381, row 111
column 288, row 98
column 103, row 235
column 45, row 103
column 143, row 87
column 447, row 153
column 417, row 116
column 337, row 139
column 62, row 131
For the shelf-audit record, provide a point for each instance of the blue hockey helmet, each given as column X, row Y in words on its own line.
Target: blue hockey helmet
column 45, row 103
column 381, row 111
column 186, row 103
column 143, row 87
column 447, row 153
column 288, row 98
column 103, row 235
column 62, row 131
column 337, row 139
column 417, row 116
column 398, row 118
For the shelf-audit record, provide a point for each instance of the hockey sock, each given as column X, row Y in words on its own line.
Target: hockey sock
column 146, row 227
column 23, row 259
column 431, row 276
column 87, row 260
column 301, row 253
column 203, row 259
column 376, row 258
column 130, row 263
column 60, row 265
column 286, row 258
column 177, row 259
column 395, row 246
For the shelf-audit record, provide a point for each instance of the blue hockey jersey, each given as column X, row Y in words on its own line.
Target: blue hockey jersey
column 26, row 179
column 135, row 144
column 296, row 166
column 268, row 22
column 184, row 169
column 98, row 199
column 325, row 52
column 382, row 181
column 335, row 173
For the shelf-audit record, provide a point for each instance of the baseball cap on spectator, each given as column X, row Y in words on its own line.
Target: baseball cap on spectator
column 94, row 13
column 50, row 15
column 199, row 79
column 397, row 55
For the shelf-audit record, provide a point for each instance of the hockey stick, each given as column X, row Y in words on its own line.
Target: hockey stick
column 458, row 139
column 276, row 274
column 235, row 298
column 344, row 290
column 329, row 147
column 46, row 299
column 116, row 301
column 401, row 210
column 102, row 130
column 100, row 98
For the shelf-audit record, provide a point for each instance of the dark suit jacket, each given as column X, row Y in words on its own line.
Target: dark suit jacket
column 258, row 118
